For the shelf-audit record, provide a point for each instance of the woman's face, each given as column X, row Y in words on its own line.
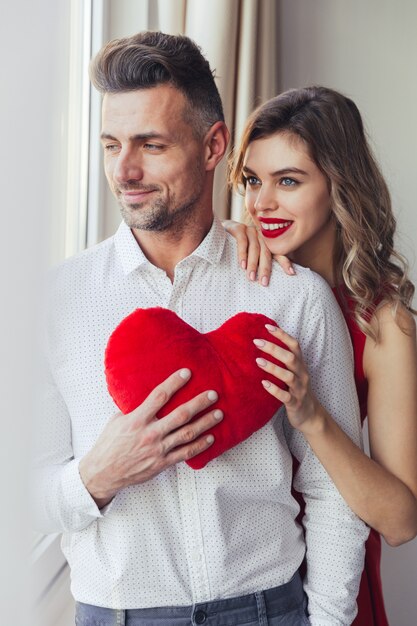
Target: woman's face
column 288, row 198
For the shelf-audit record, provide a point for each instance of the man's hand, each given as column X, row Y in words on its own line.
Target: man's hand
column 134, row 448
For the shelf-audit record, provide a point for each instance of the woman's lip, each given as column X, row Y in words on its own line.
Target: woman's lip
column 272, row 220
column 274, row 232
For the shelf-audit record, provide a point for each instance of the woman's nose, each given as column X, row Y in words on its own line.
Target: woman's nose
column 265, row 200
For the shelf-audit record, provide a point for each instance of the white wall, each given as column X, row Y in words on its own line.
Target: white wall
column 30, row 39
column 368, row 50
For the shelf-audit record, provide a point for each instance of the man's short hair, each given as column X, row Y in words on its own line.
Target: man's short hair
column 151, row 58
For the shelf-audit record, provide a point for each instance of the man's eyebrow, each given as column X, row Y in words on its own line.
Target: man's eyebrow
column 284, row 170
column 139, row 137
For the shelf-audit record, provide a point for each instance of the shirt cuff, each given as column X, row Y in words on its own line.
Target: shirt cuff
column 81, row 507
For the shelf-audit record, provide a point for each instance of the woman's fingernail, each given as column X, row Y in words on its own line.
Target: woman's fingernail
column 259, row 342
column 271, row 328
column 218, row 415
column 266, row 384
column 243, row 264
column 261, row 362
column 212, row 395
column 210, row 439
column 291, row 271
column 185, row 373
column 264, row 281
column 252, row 275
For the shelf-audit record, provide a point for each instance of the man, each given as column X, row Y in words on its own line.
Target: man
column 150, row 541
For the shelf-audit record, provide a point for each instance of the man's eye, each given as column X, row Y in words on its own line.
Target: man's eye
column 111, row 147
column 153, row 147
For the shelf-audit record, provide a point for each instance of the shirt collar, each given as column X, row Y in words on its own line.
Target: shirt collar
column 211, row 248
column 131, row 256
column 128, row 249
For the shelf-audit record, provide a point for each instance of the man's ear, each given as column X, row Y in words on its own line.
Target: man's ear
column 216, row 141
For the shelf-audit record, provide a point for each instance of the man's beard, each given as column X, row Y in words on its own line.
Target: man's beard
column 169, row 215
column 160, row 216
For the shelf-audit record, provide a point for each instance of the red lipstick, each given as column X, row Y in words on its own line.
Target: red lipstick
column 274, row 227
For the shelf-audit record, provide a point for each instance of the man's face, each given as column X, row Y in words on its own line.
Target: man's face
column 153, row 162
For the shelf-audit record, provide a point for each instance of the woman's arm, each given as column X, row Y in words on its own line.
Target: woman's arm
column 391, row 369
column 383, row 490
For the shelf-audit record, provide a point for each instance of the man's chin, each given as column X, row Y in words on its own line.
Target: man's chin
column 133, row 206
column 139, row 221
column 133, row 214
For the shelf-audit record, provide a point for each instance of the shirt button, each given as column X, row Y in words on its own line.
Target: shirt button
column 200, row 617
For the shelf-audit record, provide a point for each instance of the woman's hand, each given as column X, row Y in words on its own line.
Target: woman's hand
column 254, row 256
column 285, row 263
column 303, row 410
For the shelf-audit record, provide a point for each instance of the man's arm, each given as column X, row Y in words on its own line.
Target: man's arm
column 132, row 449
column 334, row 535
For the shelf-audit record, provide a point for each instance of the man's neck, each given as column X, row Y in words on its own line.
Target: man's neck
column 165, row 250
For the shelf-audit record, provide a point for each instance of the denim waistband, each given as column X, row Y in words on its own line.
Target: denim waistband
column 255, row 607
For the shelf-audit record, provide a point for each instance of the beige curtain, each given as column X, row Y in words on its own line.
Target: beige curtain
column 240, row 40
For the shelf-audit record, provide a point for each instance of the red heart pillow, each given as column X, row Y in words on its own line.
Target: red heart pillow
column 150, row 344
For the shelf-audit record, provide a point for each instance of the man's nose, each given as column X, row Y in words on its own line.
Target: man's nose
column 128, row 167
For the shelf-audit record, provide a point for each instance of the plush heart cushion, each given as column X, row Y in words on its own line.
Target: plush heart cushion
column 150, row 344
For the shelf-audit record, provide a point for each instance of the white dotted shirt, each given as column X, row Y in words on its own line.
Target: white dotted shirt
column 229, row 529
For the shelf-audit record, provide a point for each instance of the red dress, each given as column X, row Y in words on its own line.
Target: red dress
column 371, row 610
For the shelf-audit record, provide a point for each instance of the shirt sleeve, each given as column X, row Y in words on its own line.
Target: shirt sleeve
column 61, row 502
column 334, row 535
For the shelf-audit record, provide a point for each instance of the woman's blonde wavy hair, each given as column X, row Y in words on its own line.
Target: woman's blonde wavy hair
column 331, row 127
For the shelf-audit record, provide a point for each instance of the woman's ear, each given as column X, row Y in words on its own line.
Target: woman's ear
column 216, row 141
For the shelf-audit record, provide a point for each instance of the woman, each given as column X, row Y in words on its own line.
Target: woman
column 317, row 198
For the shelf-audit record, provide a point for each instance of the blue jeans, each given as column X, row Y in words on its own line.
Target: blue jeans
column 281, row 606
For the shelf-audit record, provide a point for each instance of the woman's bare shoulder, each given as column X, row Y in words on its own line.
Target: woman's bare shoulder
column 394, row 321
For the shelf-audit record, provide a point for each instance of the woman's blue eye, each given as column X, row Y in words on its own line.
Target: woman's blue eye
column 288, row 182
column 252, row 180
